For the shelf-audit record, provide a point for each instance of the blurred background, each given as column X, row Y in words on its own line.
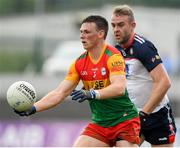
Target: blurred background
column 38, row 41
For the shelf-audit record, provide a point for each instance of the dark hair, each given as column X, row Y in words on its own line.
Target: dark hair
column 101, row 23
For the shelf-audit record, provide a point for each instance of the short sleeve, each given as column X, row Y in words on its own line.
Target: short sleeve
column 72, row 74
column 149, row 56
column 116, row 65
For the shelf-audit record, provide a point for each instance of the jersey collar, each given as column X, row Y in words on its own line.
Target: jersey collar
column 102, row 51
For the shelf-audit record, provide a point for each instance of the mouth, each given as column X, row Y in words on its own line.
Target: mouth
column 84, row 42
column 117, row 35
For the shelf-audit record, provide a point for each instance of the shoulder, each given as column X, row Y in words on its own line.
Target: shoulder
column 82, row 56
column 143, row 47
column 110, row 50
column 141, row 43
column 81, row 59
column 146, row 52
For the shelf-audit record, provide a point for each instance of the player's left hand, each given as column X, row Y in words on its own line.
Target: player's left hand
column 29, row 112
column 82, row 95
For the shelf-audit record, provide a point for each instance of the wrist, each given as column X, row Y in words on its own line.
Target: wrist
column 33, row 109
column 98, row 96
column 143, row 114
column 95, row 94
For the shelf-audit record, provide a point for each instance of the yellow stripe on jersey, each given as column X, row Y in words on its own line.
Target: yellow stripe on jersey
column 116, row 65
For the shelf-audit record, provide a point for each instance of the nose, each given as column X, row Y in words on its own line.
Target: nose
column 81, row 36
column 116, row 28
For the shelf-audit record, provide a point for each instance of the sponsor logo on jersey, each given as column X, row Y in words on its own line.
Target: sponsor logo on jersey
column 117, row 63
column 99, row 84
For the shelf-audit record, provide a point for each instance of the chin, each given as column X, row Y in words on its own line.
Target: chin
column 119, row 41
column 85, row 47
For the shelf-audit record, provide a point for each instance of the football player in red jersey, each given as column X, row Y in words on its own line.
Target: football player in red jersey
column 101, row 68
column 147, row 79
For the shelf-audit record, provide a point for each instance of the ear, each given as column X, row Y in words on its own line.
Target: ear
column 133, row 24
column 101, row 33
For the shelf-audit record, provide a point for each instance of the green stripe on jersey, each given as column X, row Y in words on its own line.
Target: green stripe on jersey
column 108, row 52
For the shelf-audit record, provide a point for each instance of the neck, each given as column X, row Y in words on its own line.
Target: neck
column 129, row 42
column 95, row 52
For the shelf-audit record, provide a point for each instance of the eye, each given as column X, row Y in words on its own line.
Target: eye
column 121, row 24
column 113, row 25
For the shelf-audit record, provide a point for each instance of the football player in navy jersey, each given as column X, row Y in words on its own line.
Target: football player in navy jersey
column 147, row 79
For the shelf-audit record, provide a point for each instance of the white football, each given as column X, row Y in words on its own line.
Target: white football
column 21, row 96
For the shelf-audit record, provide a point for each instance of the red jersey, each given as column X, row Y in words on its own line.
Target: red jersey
column 96, row 75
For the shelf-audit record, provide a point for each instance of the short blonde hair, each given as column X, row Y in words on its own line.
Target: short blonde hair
column 124, row 10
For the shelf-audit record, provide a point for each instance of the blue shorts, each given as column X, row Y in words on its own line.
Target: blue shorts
column 160, row 127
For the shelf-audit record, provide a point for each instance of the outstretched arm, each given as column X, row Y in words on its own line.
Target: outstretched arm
column 52, row 99
column 56, row 96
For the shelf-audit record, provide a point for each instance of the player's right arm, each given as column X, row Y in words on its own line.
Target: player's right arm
column 64, row 89
column 56, row 96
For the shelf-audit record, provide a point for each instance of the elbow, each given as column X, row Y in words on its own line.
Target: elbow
column 167, row 84
column 121, row 91
column 59, row 97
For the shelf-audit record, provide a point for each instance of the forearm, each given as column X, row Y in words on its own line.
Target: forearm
column 111, row 91
column 49, row 101
column 158, row 92
column 116, row 88
column 56, row 96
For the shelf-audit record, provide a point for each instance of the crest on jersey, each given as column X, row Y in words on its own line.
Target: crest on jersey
column 103, row 71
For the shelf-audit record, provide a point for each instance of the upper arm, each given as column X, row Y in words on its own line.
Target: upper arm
column 73, row 74
column 116, row 65
column 71, row 80
column 159, row 74
column 119, row 80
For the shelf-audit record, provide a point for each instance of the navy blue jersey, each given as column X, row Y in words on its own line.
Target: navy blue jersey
column 141, row 56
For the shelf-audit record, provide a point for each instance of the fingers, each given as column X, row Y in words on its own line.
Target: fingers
column 81, row 100
column 77, row 95
column 26, row 113
column 20, row 113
